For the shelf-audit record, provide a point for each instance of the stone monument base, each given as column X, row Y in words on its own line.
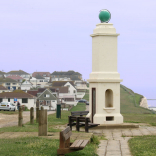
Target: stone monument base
column 106, row 118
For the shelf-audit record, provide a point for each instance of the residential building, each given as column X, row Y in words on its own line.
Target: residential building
column 80, row 94
column 20, row 73
column 47, row 100
column 16, row 78
column 81, row 85
column 46, row 75
column 24, row 98
column 38, row 81
column 62, row 76
column 67, row 95
column 3, row 89
column 26, row 85
column 10, row 84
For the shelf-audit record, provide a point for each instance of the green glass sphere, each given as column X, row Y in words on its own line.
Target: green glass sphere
column 104, row 16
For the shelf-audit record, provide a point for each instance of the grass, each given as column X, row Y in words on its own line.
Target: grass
column 86, row 97
column 143, row 146
column 79, row 107
column 35, row 146
column 140, row 118
column 52, row 122
column 9, row 112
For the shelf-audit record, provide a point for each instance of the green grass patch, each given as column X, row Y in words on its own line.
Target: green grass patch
column 9, row 112
column 52, row 122
column 79, row 107
column 140, row 118
column 36, row 146
column 143, row 146
column 86, row 97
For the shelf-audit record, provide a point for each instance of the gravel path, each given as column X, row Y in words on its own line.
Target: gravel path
column 12, row 120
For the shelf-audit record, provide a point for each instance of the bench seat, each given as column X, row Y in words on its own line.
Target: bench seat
column 79, row 144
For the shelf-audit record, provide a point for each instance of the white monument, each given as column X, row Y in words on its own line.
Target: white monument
column 104, row 81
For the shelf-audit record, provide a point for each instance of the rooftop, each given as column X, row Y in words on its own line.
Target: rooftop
column 16, row 94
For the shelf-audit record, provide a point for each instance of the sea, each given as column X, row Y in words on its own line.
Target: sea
column 151, row 102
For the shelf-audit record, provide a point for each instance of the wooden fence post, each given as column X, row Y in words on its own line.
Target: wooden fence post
column 42, row 126
column 20, row 117
column 37, row 114
column 31, row 115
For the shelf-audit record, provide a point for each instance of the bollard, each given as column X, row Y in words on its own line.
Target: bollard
column 42, row 124
column 37, row 114
column 31, row 115
column 20, row 117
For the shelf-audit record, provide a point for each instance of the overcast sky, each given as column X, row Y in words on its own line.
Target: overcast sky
column 37, row 35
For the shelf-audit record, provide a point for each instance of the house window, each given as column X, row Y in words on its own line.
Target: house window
column 24, row 100
column 41, row 81
column 1, row 99
column 14, row 83
column 68, row 91
column 46, row 95
column 74, row 91
column 7, row 83
column 44, row 75
column 8, row 99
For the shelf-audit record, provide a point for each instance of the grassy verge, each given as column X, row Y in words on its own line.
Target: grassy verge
column 9, row 112
column 143, row 146
column 52, row 122
column 86, row 97
column 140, row 118
column 79, row 107
column 35, row 146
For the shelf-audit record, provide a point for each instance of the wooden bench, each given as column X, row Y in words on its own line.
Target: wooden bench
column 66, row 146
column 79, row 122
column 79, row 113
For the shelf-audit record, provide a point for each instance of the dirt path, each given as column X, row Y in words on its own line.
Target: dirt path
column 12, row 120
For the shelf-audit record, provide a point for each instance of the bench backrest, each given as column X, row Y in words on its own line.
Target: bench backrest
column 81, row 119
column 66, row 133
column 79, row 113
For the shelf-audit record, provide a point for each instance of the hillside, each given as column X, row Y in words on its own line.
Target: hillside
column 130, row 102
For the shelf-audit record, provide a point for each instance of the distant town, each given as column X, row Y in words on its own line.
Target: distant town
column 49, row 88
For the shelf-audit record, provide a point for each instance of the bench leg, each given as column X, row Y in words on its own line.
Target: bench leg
column 86, row 125
column 77, row 124
column 70, row 123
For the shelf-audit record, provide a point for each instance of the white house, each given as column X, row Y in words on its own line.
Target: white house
column 26, row 85
column 67, row 91
column 80, row 94
column 24, row 98
column 38, row 81
column 47, row 100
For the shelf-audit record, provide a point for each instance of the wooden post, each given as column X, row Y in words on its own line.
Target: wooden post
column 20, row 117
column 42, row 126
column 31, row 115
column 37, row 114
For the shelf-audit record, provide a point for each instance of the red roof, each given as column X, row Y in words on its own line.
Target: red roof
column 33, row 92
column 14, row 77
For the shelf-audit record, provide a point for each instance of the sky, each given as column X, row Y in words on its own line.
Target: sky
column 37, row 35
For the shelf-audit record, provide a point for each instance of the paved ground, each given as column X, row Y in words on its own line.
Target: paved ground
column 117, row 143
column 12, row 120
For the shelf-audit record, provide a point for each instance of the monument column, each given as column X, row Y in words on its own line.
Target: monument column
column 104, row 81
